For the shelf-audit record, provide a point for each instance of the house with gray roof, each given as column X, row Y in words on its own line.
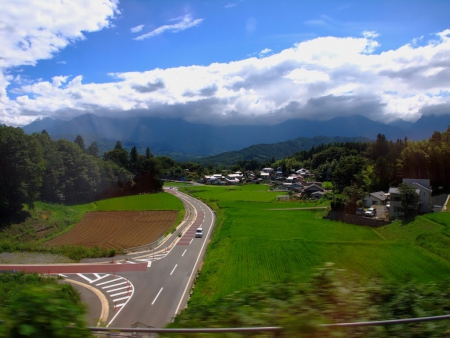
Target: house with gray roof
column 375, row 198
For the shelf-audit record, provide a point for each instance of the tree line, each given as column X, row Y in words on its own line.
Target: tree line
column 378, row 165
column 35, row 167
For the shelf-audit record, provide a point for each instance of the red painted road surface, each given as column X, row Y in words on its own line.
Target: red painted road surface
column 76, row 268
column 190, row 233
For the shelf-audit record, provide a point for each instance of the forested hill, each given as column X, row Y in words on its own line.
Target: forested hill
column 267, row 152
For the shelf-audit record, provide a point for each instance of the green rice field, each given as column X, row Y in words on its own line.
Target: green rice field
column 259, row 240
column 159, row 201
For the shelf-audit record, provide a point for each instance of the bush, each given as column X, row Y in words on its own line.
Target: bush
column 44, row 311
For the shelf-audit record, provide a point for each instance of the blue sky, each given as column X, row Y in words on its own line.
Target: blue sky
column 224, row 61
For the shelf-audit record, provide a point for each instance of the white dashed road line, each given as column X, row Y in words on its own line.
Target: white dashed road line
column 154, row 300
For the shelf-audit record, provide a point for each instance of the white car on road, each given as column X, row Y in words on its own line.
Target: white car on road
column 199, row 233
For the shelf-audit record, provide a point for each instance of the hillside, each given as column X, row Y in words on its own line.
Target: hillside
column 267, row 152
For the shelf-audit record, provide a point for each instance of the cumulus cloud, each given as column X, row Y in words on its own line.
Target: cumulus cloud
column 149, row 87
column 183, row 23
column 33, row 30
column 316, row 79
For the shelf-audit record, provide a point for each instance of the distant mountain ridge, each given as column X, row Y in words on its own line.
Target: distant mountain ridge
column 265, row 152
column 181, row 139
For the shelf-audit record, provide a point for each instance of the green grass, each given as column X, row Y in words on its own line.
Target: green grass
column 168, row 184
column 158, row 201
column 258, row 240
column 408, row 232
column 255, row 192
column 443, row 218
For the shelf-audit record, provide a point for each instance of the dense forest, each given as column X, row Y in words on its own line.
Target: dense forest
column 35, row 167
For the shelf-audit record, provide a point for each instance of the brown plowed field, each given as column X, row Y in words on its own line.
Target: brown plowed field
column 118, row 229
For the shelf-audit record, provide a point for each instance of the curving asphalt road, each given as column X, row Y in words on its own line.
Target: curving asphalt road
column 146, row 288
column 163, row 289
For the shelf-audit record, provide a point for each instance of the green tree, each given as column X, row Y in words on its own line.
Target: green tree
column 133, row 160
column 118, row 145
column 148, row 153
column 118, row 155
column 21, row 170
column 79, row 140
column 44, row 311
column 409, row 199
column 93, row 150
column 348, row 172
column 50, row 190
column 353, row 197
column 81, row 174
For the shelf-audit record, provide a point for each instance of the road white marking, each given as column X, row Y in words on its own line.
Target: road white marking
column 191, row 241
column 121, row 288
column 62, row 275
column 154, row 300
column 100, row 277
column 173, row 269
column 117, row 299
column 183, row 253
column 111, row 286
column 110, row 281
column 118, row 294
column 84, row 277
column 195, row 264
column 123, row 304
column 149, row 264
column 131, row 262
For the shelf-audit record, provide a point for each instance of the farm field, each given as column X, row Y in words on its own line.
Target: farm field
column 258, row 240
column 119, row 230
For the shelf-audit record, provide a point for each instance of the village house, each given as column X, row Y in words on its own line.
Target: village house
column 375, row 198
column 423, row 185
column 422, row 188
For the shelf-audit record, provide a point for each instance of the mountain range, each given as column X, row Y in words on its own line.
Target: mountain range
column 184, row 141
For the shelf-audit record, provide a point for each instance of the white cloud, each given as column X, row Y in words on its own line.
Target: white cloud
column 314, row 79
column 265, row 51
column 136, row 29
column 184, row 23
column 230, row 5
column 33, row 30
